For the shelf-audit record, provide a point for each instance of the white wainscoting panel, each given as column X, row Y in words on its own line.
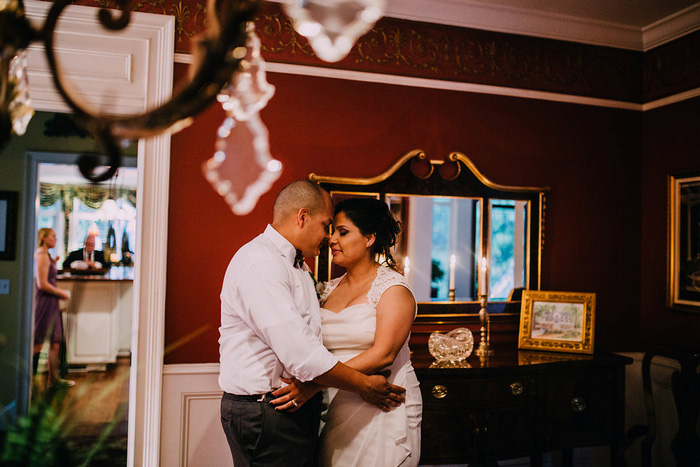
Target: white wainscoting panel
column 191, row 434
column 662, row 370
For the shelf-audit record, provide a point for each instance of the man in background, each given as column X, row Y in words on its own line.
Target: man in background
column 87, row 257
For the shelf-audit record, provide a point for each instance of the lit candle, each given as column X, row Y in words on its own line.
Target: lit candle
column 453, row 263
column 406, row 267
column 483, row 287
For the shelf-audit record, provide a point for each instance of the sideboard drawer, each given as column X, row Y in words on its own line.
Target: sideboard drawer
column 441, row 392
column 451, row 435
column 447, row 436
column 580, row 407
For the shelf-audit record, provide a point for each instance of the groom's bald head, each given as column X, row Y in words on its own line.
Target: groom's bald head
column 297, row 195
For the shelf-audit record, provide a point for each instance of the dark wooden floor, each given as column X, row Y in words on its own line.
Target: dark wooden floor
column 95, row 412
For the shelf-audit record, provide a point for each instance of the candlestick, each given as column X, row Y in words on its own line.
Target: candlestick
column 453, row 263
column 484, row 349
column 483, row 273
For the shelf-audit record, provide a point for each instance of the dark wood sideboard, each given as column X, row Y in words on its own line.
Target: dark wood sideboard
column 520, row 403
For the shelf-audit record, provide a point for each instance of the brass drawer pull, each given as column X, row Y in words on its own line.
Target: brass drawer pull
column 517, row 388
column 439, row 391
column 578, row 404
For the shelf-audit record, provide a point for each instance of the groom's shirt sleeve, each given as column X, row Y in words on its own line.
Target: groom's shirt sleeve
column 270, row 299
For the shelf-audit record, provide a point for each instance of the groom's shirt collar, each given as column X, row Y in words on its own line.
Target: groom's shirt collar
column 286, row 249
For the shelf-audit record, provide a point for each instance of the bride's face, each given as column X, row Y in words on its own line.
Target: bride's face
column 347, row 243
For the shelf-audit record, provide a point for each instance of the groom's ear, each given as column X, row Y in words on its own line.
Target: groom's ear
column 302, row 217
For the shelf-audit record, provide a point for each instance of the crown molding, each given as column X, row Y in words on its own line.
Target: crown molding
column 672, row 27
column 516, row 20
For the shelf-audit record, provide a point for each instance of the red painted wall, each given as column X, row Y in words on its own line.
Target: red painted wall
column 671, row 145
column 588, row 156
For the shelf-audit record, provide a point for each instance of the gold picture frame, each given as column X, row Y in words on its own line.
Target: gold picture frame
column 557, row 321
column 683, row 289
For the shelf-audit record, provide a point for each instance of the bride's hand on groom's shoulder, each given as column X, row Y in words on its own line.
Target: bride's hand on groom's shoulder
column 383, row 394
column 294, row 394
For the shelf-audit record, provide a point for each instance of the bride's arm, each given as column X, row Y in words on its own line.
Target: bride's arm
column 395, row 313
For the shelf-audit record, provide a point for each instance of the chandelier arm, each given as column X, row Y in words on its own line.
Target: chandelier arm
column 107, row 17
column 220, row 61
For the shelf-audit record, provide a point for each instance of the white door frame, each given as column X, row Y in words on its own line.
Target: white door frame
column 145, row 52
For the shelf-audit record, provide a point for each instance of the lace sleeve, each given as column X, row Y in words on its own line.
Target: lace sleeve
column 386, row 277
column 324, row 289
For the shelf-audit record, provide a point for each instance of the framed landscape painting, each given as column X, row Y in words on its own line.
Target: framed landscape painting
column 558, row 321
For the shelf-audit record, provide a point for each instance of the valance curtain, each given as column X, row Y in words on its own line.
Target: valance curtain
column 92, row 196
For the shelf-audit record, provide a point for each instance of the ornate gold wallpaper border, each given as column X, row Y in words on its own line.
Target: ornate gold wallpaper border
column 425, row 50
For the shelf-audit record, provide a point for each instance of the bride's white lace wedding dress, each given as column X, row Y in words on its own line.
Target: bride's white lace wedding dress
column 356, row 433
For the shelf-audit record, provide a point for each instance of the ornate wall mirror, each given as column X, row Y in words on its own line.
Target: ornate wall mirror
column 454, row 220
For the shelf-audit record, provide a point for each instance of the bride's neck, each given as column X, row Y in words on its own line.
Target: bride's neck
column 359, row 271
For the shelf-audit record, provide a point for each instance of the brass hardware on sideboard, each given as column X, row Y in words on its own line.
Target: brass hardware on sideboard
column 439, row 391
column 578, row 404
column 516, row 388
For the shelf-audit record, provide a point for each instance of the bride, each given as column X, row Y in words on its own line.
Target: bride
column 366, row 318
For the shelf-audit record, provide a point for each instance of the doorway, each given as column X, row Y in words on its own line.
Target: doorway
column 97, row 318
column 147, row 50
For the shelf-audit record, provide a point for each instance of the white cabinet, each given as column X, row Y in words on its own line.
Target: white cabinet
column 98, row 320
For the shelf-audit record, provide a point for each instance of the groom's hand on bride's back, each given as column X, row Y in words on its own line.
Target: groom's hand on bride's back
column 382, row 394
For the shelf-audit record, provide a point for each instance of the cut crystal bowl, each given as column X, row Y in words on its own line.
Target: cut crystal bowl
column 455, row 346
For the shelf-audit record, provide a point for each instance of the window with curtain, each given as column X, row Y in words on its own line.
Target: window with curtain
column 74, row 211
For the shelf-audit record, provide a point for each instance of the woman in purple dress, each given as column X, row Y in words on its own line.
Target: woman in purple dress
column 48, row 325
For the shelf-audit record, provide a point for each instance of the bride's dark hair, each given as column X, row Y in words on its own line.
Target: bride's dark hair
column 372, row 216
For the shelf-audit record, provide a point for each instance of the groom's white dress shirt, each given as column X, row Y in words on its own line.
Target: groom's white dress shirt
column 270, row 319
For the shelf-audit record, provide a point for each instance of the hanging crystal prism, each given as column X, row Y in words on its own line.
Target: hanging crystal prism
column 248, row 91
column 242, row 168
column 20, row 106
column 333, row 26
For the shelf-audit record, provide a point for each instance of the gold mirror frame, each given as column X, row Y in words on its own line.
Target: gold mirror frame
column 415, row 174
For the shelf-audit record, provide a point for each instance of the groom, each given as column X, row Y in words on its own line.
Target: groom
column 271, row 328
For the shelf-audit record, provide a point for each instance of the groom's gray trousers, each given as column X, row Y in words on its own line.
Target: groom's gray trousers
column 259, row 435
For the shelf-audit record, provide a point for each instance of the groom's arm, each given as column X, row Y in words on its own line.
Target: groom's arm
column 374, row 389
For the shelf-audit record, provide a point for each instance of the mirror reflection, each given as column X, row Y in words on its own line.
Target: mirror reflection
column 508, row 246
column 440, row 246
column 464, row 236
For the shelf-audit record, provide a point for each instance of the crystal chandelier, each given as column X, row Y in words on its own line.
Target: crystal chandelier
column 227, row 66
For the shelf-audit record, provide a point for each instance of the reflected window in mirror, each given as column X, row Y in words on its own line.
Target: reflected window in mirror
column 434, row 230
column 508, row 243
